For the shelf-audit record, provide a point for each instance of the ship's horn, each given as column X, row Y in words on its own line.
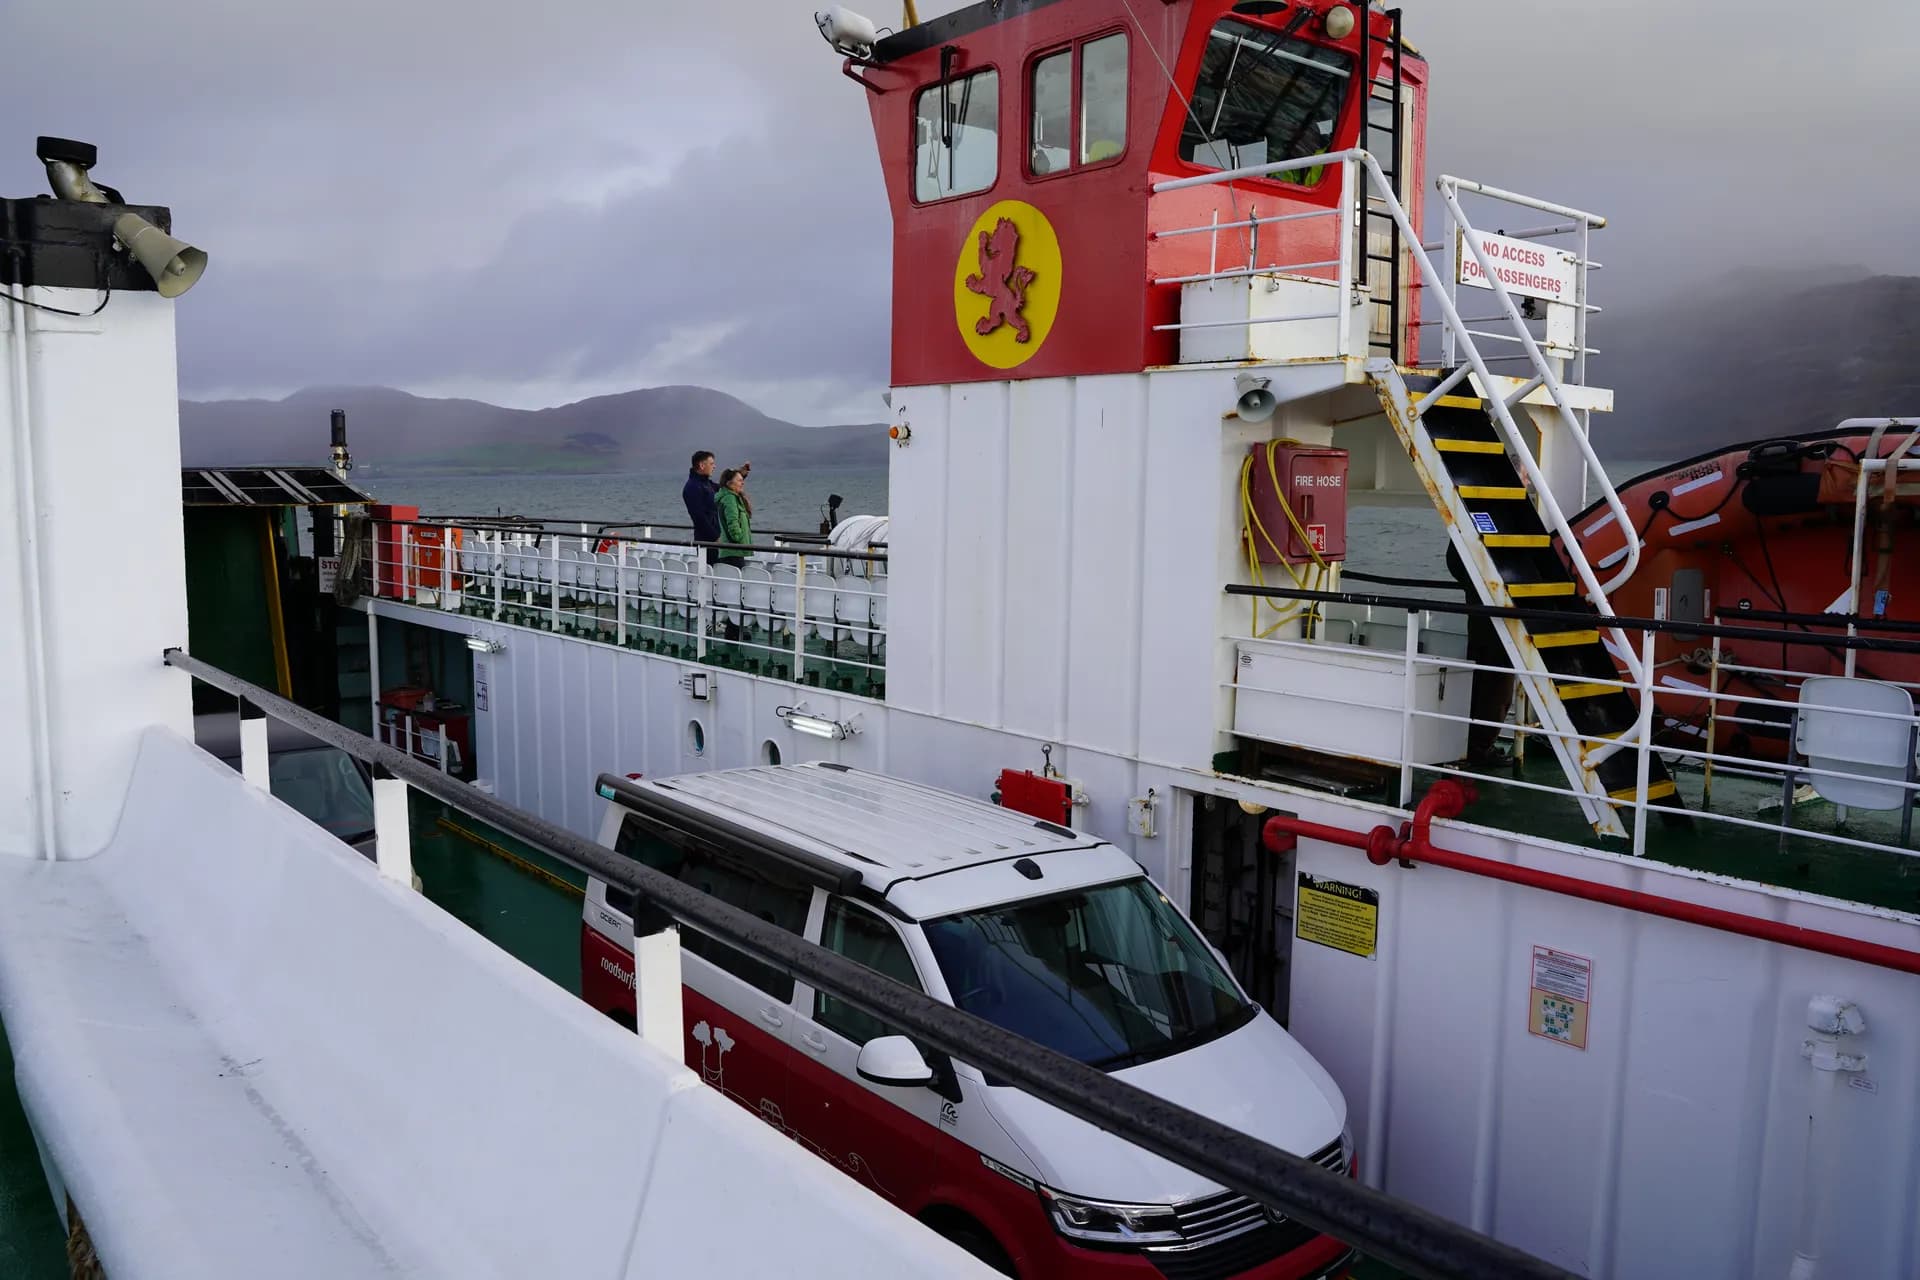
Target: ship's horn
column 175, row 265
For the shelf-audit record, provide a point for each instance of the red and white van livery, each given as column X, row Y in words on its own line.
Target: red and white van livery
column 1046, row 931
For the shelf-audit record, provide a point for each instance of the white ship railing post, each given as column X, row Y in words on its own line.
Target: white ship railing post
column 446, row 566
column 405, row 566
column 701, row 617
column 620, row 593
column 553, row 584
column 799, row 617
column 1406, row 710
column 1346, row 280
column 657, row 1008
column 1643, row 730
column 499, row 573
column 393, row 838
column 254, row 752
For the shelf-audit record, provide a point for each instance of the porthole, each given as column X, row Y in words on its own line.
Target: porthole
column 696, row 738
column 770, row 752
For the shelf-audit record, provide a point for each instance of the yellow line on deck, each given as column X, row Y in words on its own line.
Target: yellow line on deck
column 514, row 860
column 1531, row 590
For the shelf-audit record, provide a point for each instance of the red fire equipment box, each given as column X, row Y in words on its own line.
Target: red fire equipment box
column 1311, row 480
column 1024, row 791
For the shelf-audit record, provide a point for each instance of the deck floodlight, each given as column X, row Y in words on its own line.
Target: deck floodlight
column 481, row 644
column 801, row 721
column 1339, row 22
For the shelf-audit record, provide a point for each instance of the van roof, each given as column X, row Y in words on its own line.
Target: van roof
column 882, row 829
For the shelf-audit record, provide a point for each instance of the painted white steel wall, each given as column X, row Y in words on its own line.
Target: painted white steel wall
column 106, row 550
column 1060, row 575
column 1674, row 1144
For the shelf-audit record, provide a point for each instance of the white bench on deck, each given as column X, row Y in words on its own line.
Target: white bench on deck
column 245, row 1054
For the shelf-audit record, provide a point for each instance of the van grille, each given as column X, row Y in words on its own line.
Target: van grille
column 1227, row 1233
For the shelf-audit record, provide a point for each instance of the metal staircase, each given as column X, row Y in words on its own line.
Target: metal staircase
column 1571, row 680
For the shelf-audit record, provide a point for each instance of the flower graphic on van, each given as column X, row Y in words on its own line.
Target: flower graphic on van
column 713, row 1066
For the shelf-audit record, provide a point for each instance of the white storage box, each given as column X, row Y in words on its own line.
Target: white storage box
column 1264, row 299
column 1345, row 701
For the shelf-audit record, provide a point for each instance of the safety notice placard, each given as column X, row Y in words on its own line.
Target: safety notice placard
column 1530, row 270
column 1345, row 917
column 1557, row 1001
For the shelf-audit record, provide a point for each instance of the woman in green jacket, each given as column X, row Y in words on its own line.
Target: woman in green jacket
column 735, row 520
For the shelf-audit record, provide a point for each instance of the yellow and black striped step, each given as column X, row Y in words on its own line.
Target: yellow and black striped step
column 1537, row 590
column 1494, row 492
column 1595, row 689
column 1469, row 446
column 1562, row 639
column 1659, row 790
column 1516, row 539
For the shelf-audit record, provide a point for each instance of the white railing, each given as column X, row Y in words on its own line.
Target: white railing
column 1702, row 763
column 1361, row 177
column 812, row 615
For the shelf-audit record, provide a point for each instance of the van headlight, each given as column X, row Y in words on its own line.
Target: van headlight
column 1105, row 1222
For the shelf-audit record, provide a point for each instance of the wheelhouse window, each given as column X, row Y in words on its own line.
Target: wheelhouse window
column 1112, row 976
column 1078, row 117
column 956, row 126
column 1264, row 97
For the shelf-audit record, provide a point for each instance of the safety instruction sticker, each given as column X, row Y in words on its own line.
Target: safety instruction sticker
column 1557, row 1000
column 1483, row 522
column 1345, row 917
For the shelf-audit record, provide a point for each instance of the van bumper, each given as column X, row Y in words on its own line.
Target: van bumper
column 1321, row 1258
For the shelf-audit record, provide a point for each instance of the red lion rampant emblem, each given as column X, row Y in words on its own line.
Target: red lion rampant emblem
column 1002, row 282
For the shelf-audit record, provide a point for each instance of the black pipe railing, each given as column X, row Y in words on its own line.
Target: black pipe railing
column 1397, row 1233
column 1415, row 604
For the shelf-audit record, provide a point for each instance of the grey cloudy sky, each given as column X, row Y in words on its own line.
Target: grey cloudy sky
column 536, row 202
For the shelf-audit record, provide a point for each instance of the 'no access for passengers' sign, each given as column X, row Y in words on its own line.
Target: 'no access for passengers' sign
column 1345, row 917
column 1530, row 270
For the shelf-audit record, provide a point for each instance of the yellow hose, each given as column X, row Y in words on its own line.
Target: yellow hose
column 1251, row 523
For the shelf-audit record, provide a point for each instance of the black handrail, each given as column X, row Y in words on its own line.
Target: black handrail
column 1571, row 620
column 1399, row 1234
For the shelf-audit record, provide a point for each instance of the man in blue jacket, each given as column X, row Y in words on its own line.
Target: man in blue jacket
column 702, row 504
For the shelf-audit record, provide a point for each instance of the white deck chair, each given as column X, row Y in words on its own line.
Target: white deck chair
column 1831, row 733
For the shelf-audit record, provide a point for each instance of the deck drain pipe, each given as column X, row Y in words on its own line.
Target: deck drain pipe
column 1835, row 1065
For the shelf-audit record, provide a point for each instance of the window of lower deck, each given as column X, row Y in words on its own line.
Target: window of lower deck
column 1264, row 97
column 960, row 153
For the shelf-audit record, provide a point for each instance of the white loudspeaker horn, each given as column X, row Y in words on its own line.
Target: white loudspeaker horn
column 175, row 265
column 1256, row 403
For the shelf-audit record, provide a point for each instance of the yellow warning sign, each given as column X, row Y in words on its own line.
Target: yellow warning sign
column 1345, row 917
column 1558, row 998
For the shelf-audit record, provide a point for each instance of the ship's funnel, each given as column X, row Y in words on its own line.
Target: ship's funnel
column 175, row 265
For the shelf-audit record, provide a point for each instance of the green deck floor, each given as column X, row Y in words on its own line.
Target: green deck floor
column 32, row 1245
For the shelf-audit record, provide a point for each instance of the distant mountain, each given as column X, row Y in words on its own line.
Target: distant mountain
column 1756, row 355
column 635, row 430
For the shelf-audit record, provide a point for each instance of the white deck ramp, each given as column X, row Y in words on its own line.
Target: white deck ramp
column 246, row 1054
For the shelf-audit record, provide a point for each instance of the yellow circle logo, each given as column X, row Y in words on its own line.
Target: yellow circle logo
column 1006, row 284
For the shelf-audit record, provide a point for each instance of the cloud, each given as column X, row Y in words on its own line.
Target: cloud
column 539, row 203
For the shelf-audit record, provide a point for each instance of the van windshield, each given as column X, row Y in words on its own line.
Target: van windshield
column 1112, row 975
column 325, row 785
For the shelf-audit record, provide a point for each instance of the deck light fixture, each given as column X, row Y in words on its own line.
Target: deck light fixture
column 801, row 721
column 482, row 644
column 1339, row 22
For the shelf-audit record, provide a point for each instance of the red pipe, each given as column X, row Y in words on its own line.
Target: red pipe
column 1447, row 799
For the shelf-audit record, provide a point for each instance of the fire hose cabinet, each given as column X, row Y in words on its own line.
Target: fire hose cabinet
column 1311, row 482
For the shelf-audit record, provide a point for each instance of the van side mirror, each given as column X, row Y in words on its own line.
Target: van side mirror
column 892, row 1060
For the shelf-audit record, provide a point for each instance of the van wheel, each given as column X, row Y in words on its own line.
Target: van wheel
column 972, row 1237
